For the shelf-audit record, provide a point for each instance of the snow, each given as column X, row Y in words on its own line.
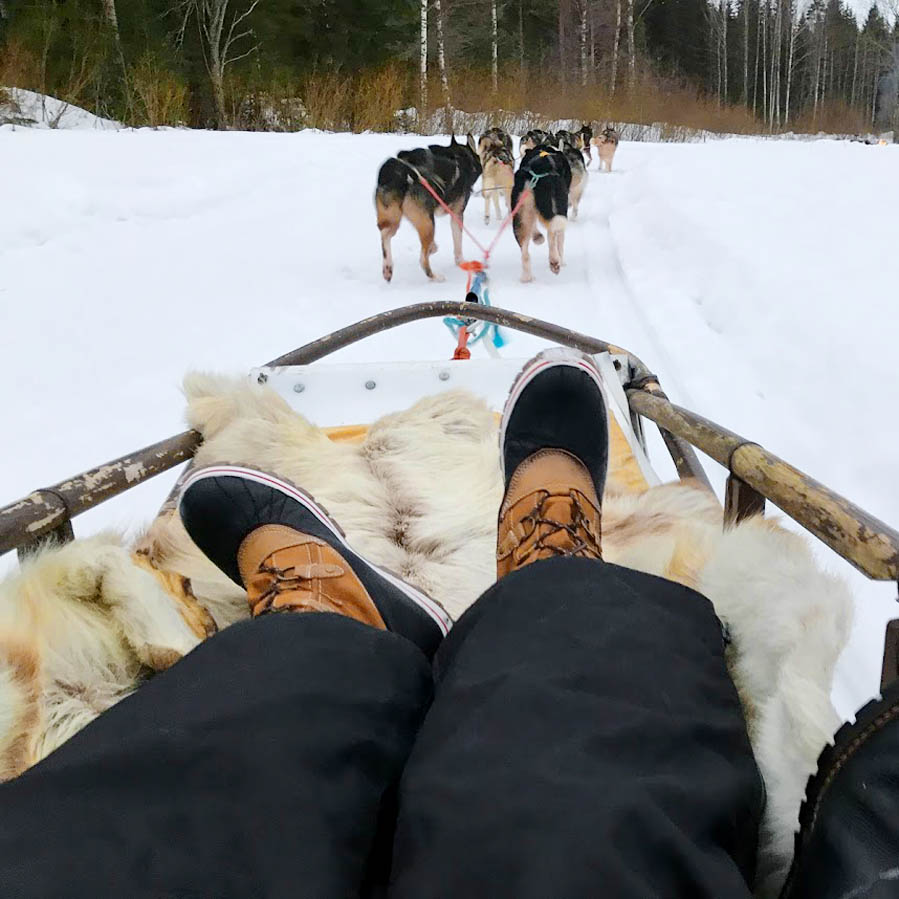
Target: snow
column 26, row 108
column 756, row 278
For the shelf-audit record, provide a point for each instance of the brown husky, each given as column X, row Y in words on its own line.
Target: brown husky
column 498, row 177
column 451, row 172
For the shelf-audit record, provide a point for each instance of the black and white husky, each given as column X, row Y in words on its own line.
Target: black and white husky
column 578, row 174
column 451, row 171
column 545, row 177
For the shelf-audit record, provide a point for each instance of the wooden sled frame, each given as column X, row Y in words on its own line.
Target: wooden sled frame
column 755, row 475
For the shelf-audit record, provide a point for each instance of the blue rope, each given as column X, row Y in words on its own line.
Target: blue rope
column 477, row 329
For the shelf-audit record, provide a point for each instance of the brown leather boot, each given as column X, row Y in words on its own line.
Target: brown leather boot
column 554, row 447
column 276, row 541
column 285, row 570
column 550, row 509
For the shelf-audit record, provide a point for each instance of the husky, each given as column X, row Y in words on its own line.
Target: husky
column 451, row 171
column 569, row 137
column 586, row 139
column 606, row 145
column 547, row 201
column 498, row 177
column 494, row 138
column 534, row 138
column 578, row 175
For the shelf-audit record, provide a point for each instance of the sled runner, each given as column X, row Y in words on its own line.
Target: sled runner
column 344, row 398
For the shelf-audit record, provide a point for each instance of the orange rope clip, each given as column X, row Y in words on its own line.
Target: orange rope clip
column 462, row 351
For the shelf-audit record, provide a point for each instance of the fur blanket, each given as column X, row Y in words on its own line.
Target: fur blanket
column 82, row 624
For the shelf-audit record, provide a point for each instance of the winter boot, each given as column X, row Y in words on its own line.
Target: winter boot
column 554, row 447
column 848, row 842
column 284, row 549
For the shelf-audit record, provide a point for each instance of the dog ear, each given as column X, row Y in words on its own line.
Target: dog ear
column 471, row 144
column 453, row 141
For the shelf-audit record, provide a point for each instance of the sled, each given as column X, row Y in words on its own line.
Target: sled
column 363, row 392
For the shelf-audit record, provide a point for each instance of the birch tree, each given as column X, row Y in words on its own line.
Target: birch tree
column 423, row 64
column 583, row 41
column 616, row 45
column 494, row 42
column 746, row 53
column 631, row 46
column 795, row 19
column 223, row 38
column 441, row 66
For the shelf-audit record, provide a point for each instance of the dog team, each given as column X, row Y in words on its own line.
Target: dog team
column 550, row 179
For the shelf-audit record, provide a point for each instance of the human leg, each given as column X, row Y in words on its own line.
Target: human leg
column 262, row 764
column 585, row 738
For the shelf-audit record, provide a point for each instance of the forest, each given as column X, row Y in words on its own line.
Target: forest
column 741, row 66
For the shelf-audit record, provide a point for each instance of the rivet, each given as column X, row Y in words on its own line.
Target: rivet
column 370, row 385
column 444, row 375
column 298, row 387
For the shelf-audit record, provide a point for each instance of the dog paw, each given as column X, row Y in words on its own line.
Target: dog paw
column 433, row 249
column 387, row 271
column 486, row 219
column 539, row 238
column 554, row 267
column 438, row 278
column 526, row 279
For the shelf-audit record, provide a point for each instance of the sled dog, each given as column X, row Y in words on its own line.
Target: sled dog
column 498, row 177
column 578, row 175
column 534, row 138
column 494, row 138
column 606, row 145
column 546, row 201
column 586, row 136
column 451, row 171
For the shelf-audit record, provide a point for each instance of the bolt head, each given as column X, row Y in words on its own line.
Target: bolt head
column 298, row 387
column 444, row 375
column 370, row 385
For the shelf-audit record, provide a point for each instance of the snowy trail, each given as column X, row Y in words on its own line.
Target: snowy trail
column 756, row 279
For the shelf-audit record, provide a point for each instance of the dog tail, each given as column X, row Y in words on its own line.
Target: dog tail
column 394, row 182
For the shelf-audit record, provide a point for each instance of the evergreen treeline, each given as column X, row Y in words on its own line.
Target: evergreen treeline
column 738, row 65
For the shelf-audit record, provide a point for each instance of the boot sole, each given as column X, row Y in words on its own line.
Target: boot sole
column 430, row 606
column 551, row 358
column 845, row 743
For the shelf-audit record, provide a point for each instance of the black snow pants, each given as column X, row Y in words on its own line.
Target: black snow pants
column 577, row 736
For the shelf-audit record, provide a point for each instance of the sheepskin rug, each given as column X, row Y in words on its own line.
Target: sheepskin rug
column 81, row 625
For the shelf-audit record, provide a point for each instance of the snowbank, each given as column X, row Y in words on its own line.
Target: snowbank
column 658, row 132
column 22, row 108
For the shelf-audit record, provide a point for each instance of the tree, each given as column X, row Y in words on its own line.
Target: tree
column 423, row 62
column 631, row 46
column 223, row 33
column 441, row 65
column 494, row 47
column 617, row 41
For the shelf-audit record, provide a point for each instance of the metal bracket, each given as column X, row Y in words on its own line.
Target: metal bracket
column 741, row 502
column 890, row 670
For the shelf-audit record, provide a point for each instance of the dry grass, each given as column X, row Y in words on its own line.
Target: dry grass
column 19, row 66
column 651, row 99
column 834, row 118
column 158, row 96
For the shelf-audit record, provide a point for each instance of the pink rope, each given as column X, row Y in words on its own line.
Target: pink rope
column 485, row 250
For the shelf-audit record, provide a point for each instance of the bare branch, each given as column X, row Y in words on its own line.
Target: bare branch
column 231, row 59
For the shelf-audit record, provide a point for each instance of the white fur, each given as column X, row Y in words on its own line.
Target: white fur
column 77, row 626
column 420, row 495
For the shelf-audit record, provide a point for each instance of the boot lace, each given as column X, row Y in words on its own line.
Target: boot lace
column 283, row 581
column 582, row 540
